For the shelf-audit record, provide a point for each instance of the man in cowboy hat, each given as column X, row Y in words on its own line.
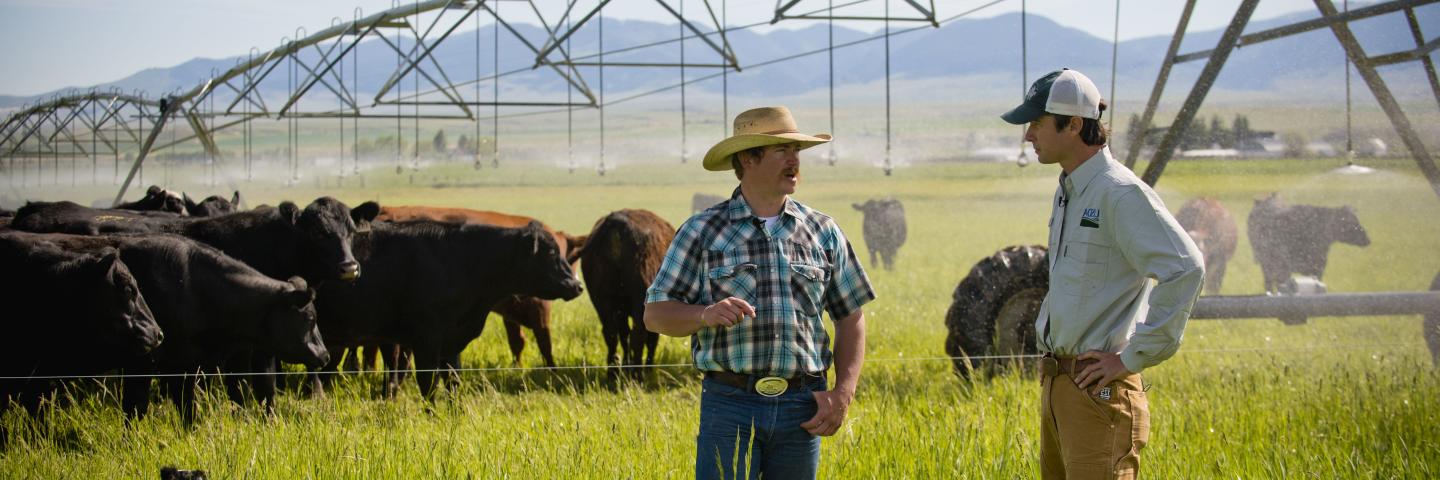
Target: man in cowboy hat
column 1123, row 277
column 748, row 280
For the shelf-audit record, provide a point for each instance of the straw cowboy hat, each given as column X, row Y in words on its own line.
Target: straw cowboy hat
column 757, row 128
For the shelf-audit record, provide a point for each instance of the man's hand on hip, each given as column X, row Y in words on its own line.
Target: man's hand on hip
column 830, row 416
column 1107, row 369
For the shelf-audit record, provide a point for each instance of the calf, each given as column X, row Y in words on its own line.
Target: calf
column 518, row 310
column 884, row 228
column 429, row 284
column 1213, row 230
column 66, row 313
column 1296, row 238
column 620, row 259
column 159, row 200
column 212, row 308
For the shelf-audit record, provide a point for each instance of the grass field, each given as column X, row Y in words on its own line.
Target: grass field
column 1336, row 398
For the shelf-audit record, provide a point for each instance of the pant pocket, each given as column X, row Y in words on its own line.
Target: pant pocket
column 1140, row 419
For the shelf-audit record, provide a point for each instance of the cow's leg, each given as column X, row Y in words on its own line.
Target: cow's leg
column 889, row 258
column 515, row 337
column 135, row 390
column 427, row 361
column 235, row 384
column 1215, row 274
column 351, row 362
column 263, row 385
column 872, row 257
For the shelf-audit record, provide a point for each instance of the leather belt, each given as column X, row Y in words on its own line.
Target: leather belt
column 1053, row 365
column 764, row 385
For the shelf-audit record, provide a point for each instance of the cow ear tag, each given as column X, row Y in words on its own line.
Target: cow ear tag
column 362, row 227
column 771, row 386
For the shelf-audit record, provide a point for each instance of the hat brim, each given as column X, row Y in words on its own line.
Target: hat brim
column 1023, row 114
column 718, row 158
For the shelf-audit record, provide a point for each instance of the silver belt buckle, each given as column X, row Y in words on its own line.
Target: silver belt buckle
column 771, row 386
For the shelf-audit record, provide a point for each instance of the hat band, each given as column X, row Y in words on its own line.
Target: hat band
column 777, row 132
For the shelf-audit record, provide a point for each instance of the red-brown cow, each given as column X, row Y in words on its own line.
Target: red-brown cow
column 518, row 311
column 620, row 259
column 1214, row 232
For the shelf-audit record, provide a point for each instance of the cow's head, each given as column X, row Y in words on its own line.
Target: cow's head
column 541, row 266
column 290, row 327
column 573, row 247
column 1345, row 228
column 326, row 229
column 211, row 206
column 122, row 317
column 159, row 199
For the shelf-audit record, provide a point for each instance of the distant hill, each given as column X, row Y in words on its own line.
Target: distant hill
column 962, row 48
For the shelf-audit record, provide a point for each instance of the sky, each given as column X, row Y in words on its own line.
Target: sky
column 46, row 45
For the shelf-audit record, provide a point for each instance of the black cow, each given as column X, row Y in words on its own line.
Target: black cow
column 1296, row 238
column 212, row 308
column 429, row 286
column 66, row 313
column 280, row 242
column 884, row 228
column 212, row 206
column 159, row 200
column 619, row 261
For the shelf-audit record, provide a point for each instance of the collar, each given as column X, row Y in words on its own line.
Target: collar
column 739, row 209
column 1085, row 173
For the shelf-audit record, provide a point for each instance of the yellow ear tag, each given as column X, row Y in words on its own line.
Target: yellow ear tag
column 771, row 386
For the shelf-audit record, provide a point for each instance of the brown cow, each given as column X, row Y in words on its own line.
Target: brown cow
column 1296, row 238
column 1214, row 232
column 619, row 261
column 518, row 311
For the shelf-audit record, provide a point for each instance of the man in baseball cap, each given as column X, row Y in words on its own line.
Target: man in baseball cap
column 748, row 281
column 1123, row 278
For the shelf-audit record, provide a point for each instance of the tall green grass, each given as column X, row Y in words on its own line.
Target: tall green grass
column 1335, row 398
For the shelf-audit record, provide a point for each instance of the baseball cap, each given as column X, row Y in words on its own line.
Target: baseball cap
column 1061, row 92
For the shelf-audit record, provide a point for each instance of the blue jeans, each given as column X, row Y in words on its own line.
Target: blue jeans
column 766, row 431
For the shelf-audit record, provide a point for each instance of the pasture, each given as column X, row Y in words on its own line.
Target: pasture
column 1335, row 398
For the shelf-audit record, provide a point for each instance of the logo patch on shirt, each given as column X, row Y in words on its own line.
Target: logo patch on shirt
column 1090, row 218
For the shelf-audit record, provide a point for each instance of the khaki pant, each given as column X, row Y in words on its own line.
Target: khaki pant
column 1085, row 436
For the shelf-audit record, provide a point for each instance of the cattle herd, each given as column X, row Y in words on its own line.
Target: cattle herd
column 165, row 289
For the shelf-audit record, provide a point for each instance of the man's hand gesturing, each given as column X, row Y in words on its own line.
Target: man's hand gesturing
column 725, row 313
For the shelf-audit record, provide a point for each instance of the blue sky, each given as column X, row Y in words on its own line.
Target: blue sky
column 51, row 44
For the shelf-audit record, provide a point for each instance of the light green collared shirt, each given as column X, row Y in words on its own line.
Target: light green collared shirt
column 1123, row 274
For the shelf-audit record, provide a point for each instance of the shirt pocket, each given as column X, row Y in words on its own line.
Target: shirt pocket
column 1083, row 266
column 807, row 288
column 734, row 280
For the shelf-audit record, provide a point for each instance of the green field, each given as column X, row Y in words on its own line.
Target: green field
column 1335, row 398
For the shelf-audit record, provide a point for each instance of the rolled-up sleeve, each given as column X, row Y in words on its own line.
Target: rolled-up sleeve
column 680, row 278
column 1154, row 244
column 849, row 288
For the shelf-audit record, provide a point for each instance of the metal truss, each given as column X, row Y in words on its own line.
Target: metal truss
column 78, row 124
column 783, row 7
column 1339, row 25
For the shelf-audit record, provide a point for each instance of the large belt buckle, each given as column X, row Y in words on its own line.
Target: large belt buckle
column 1049, row 366
column 771, row 386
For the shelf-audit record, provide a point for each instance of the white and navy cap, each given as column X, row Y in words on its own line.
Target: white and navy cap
column 1061, row 92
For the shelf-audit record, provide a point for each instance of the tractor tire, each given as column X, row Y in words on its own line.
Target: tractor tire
column 993, row 309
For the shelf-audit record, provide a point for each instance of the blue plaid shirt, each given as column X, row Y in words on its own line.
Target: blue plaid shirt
column 802, row 265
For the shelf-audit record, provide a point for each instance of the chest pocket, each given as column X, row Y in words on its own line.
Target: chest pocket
column 1082, row 269
column 809, row 273
column 807, row 288
column 735, row 280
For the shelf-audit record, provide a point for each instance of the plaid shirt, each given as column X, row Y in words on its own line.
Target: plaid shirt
column 803, row 263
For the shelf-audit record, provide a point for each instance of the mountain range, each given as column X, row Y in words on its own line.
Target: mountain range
column 964, row 47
